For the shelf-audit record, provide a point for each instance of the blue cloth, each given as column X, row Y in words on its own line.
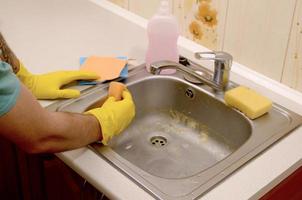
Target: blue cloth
column 9, row 88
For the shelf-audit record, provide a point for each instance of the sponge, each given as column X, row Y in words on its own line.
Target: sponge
column 116, row 90
column 248, row 101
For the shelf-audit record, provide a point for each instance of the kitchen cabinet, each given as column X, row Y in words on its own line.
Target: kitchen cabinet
column 62, row 183
column 9, row 177
column 44, row 176
column 289, row 188
column 20, row 174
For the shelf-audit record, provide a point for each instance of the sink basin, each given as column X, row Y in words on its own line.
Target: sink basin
column 184, row 139
column 176, row 133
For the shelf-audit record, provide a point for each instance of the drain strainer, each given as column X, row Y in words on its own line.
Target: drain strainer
column 158, row 141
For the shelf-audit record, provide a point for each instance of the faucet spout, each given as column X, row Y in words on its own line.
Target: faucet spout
column 220, row 77
column 155, row 68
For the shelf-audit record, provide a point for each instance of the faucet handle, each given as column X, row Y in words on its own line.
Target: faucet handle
column 217, row 56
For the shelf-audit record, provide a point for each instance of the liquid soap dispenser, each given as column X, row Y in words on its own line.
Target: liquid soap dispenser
column 163, row 33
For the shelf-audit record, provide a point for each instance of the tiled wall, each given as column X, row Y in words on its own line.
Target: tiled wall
column 265, row 35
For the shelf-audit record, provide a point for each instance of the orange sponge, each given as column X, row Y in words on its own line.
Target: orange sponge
column 116, row 90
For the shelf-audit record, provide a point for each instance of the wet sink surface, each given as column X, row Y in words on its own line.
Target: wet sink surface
column 184, row 139
column 179, row 131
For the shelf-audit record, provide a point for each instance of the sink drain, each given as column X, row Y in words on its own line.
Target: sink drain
column 158, row 141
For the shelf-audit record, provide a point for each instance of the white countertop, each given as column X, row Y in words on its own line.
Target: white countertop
column 52, row 35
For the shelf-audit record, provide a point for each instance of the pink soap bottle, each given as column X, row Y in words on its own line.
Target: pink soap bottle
column 163, row 33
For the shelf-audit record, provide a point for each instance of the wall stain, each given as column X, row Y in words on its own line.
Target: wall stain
column 195, row 29
column 206, row 15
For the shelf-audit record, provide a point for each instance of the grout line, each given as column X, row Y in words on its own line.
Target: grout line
column 128, row 4
column 288, row 42
column 225, row 26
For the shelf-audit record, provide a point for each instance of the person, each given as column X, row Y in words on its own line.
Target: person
column 35, row 129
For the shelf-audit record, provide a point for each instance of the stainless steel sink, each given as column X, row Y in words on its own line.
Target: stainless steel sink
column 184, row 139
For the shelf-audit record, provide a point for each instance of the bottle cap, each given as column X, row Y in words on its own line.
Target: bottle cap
column 164, row 8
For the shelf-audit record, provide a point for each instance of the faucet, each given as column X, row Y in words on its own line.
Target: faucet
column 220, row 77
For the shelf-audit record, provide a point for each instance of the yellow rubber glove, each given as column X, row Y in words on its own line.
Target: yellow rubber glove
column 114, row 116
column 48, row 86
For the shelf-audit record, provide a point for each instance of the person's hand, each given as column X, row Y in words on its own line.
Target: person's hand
column 114, row 116
column 48, row 86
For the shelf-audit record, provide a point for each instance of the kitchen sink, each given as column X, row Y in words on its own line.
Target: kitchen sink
column 184, row 138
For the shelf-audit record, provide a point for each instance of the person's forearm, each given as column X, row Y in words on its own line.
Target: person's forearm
column 37, row 130
column 69, row 130
column 7, row 55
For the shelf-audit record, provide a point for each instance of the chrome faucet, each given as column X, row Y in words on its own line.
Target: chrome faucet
column 222, row 67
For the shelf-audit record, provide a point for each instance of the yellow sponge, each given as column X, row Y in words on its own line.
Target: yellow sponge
column 249, row 102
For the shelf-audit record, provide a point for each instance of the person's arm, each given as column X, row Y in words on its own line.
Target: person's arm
column 38, row 130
